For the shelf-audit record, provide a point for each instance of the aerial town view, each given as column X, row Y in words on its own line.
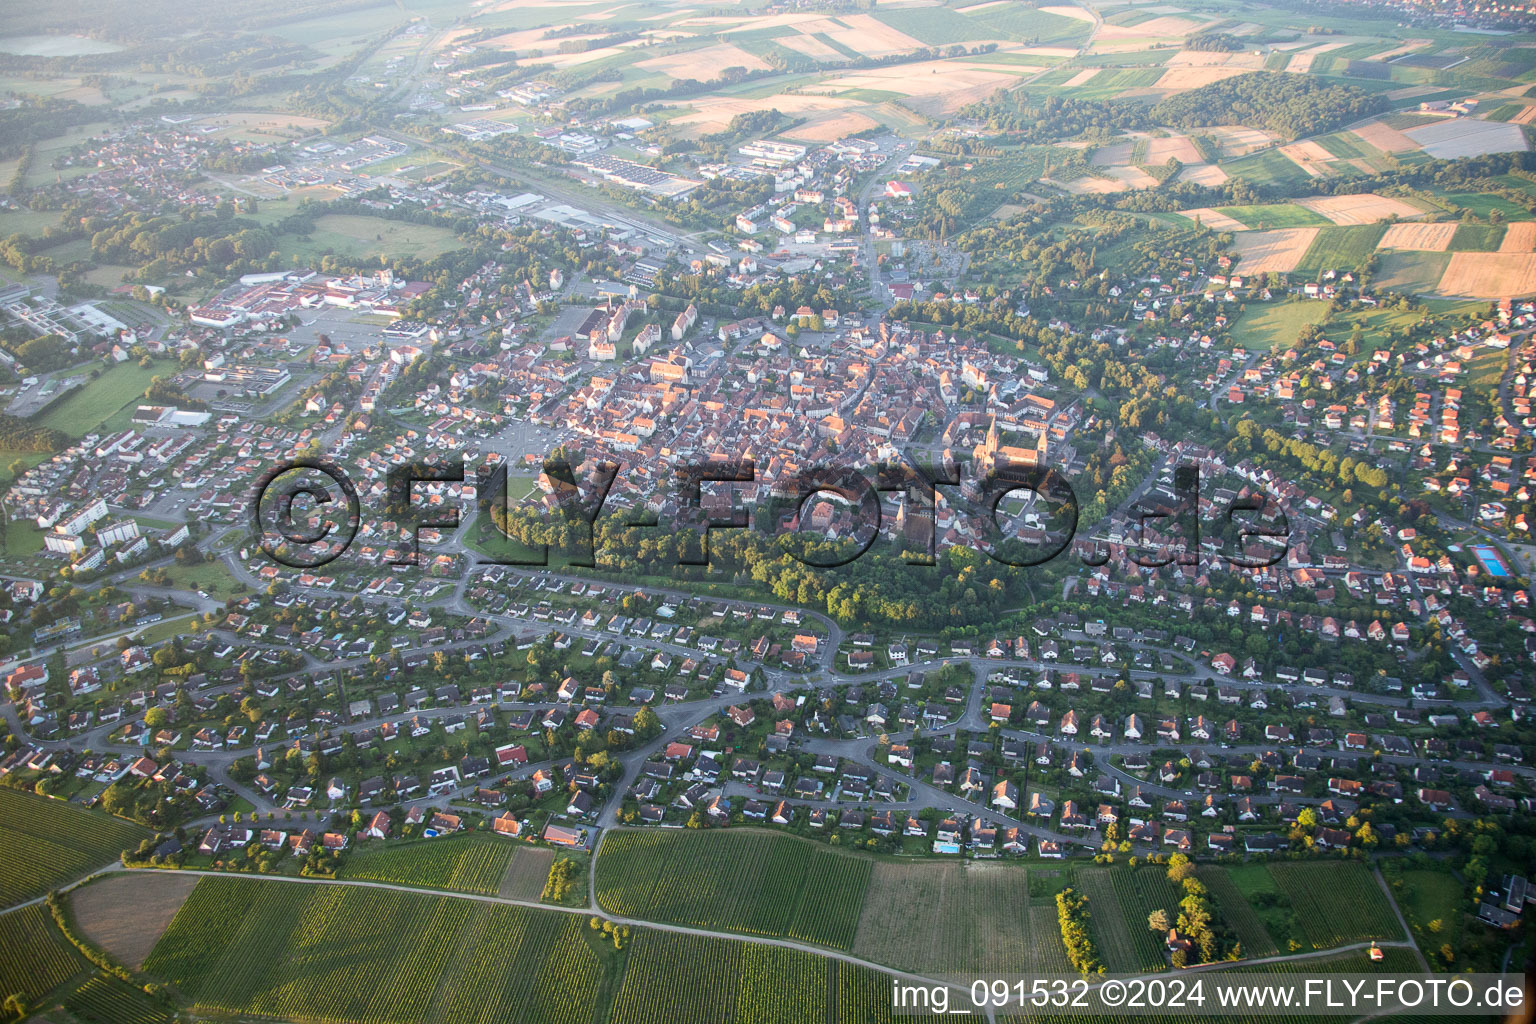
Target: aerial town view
column 767, row 511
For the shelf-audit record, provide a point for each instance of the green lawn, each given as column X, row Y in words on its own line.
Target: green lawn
column 87, row 408
column 353, row 233
column 211, row 576
column 1267, row 326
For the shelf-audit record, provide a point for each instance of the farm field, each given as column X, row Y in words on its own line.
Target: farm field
column 1411, row 272
column 374, row 956
column 49, row 842
column 673, row 977
column 103, row 999
column 1478, row 238
column 1488, row 275
column 1519, row 237
column 1280, row 250
column 1118, row 904
column 1236, row 911
column 469, row 863
column 1276, row 216
column 525, row 876
column 1337, row 903
column 35, row 957
column 1359, row 209
column 978, row 917
column 760, row 883
column 126, row 913
column 1419, row 237
column 1341, row 248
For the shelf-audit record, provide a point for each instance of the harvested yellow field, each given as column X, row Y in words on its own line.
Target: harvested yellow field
column 1215, row 219
column 1176, row 147
column 1279, row 250
column 705, row 64
column 1194, row 78
column 935, row 87
column 1362, row 209
column 571, row 60
column 1525, row 116
column 1300, row 63
column 1203, row 174
column 1165, row 26
column 832, row 127
column 1081, row 78
column 715, row 112
column 973, row 8
column 1519, row 237
column 1309, row 156
column 810, row 46
column 1418, row 237
column 1490, row 275
column 1384, row 138
column 868, row 36
column 1213, row 59
column 1076, row 13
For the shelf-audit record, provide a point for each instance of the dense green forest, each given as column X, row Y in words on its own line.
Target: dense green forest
column 1289, row 105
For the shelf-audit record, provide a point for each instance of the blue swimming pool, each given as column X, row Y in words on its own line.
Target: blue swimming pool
column 1493, row 563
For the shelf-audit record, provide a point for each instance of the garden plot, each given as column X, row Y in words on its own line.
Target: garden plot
column 1466, row 136
column 1362, row 209
column 1519, row 237
column 1279, row 250
column 1489, row 275
column 1420, row 237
